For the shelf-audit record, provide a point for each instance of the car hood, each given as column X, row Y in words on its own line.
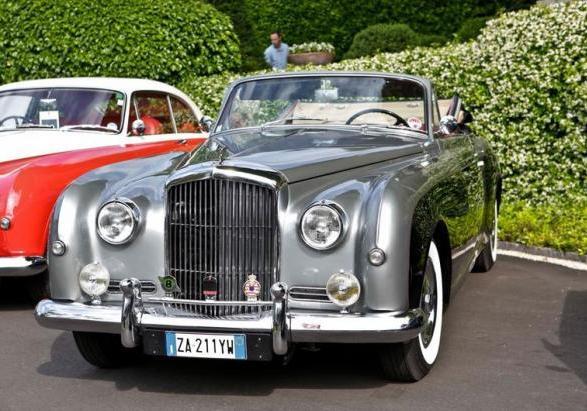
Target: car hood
column 301, row 154
column 19, row 144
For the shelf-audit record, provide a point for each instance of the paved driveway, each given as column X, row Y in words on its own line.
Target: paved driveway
column 514, row 338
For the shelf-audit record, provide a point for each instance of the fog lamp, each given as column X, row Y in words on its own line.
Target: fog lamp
column 94, row 279
column 343, row 289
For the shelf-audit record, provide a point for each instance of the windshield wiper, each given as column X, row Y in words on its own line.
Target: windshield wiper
column 88, row 127
column 33, row 126
column 382, row 128
column 282, row 120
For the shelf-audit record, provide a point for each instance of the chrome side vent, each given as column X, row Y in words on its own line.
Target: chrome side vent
column 312, row 294
column 147, row 287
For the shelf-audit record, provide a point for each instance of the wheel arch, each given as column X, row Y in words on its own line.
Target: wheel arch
column 427, row 226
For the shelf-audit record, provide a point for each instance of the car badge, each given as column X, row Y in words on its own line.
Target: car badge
column 210, row 288
column 252, row 288
column 169, row 285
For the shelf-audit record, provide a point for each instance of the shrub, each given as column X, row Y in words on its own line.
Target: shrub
column 382, row 38
column 524, row 78
column 337, row 22
column 163, row 39
column 471, row 28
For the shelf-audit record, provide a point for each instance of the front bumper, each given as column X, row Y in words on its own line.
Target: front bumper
column 136, row 317
column 22, row 266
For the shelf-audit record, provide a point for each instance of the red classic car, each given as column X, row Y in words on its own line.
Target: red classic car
column 53, row 131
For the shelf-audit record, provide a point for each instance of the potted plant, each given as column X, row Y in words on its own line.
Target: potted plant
column 311, row 53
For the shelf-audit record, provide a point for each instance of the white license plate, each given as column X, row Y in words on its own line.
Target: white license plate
column 224, row 346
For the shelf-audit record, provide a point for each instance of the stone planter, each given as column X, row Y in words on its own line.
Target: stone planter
column 316, row 58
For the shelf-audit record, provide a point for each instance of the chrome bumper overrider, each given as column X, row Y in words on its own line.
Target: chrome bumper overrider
column 21, row 266
column 285, row 326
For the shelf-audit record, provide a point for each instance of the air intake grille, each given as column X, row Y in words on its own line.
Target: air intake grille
column 221, row 229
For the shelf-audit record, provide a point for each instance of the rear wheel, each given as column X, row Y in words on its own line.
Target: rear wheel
column 103, row 350
column 488, row 255
column 412, row 360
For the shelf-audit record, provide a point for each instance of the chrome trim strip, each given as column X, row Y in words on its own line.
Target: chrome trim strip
column 22, row 266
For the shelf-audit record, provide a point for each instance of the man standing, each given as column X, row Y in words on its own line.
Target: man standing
column 276, row 53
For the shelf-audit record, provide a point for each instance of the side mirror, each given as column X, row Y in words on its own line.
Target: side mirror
column 448, row 125
column 138, row 128
column 207, row 123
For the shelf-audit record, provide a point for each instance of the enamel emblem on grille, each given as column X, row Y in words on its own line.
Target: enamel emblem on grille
column 252, row 288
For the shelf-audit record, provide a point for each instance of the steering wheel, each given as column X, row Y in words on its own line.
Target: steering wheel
column 15, row 118
column 399, row 118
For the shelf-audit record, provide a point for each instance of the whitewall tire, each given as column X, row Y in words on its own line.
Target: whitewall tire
column 412, row 360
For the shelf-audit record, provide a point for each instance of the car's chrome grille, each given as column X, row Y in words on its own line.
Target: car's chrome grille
column 222, row 229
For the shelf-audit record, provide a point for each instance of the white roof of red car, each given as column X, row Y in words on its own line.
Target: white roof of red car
column 125, row 85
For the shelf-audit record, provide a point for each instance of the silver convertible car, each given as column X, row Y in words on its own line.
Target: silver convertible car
column 324, row 208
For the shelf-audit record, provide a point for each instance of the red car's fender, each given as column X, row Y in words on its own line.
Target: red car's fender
column 30, row 187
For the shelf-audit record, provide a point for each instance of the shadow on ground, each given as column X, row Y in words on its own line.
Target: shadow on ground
column 333, row 367
column 572, row 349
column 13, row 294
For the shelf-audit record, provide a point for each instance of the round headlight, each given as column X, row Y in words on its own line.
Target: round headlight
column 117, row 222
column 343, row 289
column 94, row 279
column 321, row 226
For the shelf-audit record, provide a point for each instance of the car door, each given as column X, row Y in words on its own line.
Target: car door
column 464, row 207
column 167, row 119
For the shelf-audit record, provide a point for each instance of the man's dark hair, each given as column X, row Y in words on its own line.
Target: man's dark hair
column 276, row 32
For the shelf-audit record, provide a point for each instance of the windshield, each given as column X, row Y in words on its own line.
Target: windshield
column 62, row 108
column 326, row 100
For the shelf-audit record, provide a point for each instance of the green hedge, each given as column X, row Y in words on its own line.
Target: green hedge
column 524, row 78
column 163, row 39
column 561, row 225
column 337, row 22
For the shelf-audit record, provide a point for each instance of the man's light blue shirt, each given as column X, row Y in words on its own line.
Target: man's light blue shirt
column 277, row 57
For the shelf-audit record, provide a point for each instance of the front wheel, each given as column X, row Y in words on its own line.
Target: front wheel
column 103, row 350
column 412, row 360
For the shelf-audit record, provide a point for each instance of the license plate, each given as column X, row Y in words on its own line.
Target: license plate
column 223, row 346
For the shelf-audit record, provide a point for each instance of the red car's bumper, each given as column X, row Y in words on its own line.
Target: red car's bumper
column 22, row 266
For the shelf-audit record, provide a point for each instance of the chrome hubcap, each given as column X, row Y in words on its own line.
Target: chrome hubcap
column 428, row 303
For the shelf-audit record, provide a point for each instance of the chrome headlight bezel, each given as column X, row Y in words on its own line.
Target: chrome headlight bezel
column 341, row 217
column 135, row 217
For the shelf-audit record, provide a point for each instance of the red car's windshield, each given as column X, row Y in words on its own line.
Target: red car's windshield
column 100, row 110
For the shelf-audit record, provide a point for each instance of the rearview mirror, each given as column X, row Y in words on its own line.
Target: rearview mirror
column 207, row 123
column 138, row 127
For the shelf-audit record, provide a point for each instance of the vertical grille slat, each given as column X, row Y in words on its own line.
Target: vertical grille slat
column 221, row 228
